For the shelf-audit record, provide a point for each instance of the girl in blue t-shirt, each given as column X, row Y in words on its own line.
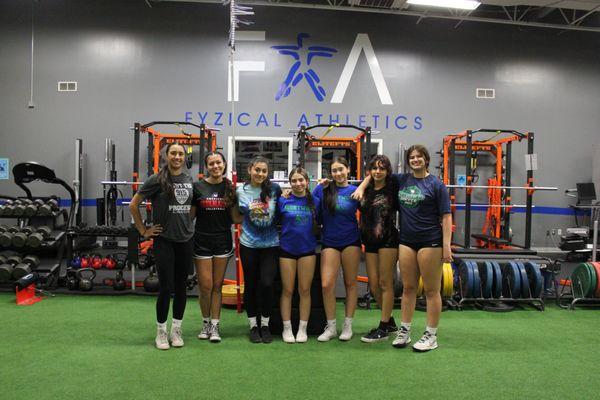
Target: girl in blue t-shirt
column 259, row 246
column 425, row 233
column 297, row 244
column 341, row 245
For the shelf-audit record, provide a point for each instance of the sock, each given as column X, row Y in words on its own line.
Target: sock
column 302, row 325
column 331, row 323
column 252, row 322
column 206, row 320
column 348, row 321
column 264, row 321
column 391, row 322
column 214, row 322
column 406, row 325
column 176, row 323
column 383, row 325
column 161, row 326
column 287, row 325
column 431, row 330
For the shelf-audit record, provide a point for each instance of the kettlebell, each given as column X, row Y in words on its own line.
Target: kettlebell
column 72, row 281
column 76, row 262
column 109, row 262
column 86, row 283
column 96, row 261
column 119, row 283
column 151, row 282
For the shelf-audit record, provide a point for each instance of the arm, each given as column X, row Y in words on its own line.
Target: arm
column 193, row 212
column 236, row 216
column 360, row 191
column 446, row 237
column 147, row 233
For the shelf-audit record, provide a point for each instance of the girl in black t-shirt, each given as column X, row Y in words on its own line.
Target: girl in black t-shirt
column 172, row 228
column 380, row 237
column 213, row 245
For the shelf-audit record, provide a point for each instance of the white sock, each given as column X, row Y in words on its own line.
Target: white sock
column 161, row 326
column 406, row 325
column 176, row 323
column 287, row 325
column 302, row 325
column 264, row 321
column 214, row 322
column 348, row 321
column 206, row 320
column 331, row 323
column 252, row 322
column 431, row 330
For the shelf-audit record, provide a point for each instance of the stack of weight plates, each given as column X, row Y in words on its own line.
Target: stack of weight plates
column 470, row 281
column 229, row 294
column 447, row 284
column 585, row 280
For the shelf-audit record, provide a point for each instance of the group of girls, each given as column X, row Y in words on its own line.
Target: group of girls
column 259, row 205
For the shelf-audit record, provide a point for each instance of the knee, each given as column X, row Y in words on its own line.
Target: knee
column 328, row 285
column 432, row 293
column 266, row 283
column 409, row 290
column 350, row 285
column 304, row 291
column 287, row 292
column 385, row 285
column 374, row 286
column 217, row 287
column 205, row 287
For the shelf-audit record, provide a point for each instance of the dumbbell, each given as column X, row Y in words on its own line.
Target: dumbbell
column 7, row 235
column 28, row 264
column 48, row 207
column 4, row 207
column 32, row 209
column 19, row 205
column 36, row 239
column 20, row 238
column 7, row 266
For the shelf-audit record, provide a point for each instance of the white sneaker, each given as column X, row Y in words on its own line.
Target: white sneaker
column 427, row 342
column 346, row 332
column 162, row 341
column 205, row 331
column 176, row 339
column 402, row 338
column 329, row 333
column 288, row 335
column 301, row 336
column 215, row 336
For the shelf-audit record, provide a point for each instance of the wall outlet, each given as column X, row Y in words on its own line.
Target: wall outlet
column 559, row 231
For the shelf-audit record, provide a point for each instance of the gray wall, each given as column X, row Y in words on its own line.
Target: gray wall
column 135, row 63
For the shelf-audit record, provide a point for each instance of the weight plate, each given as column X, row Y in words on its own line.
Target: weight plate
column 594, row 276
column 525, row 289
column 420, row 288
column 534, row 275
column 476, row 280
column 511, row 277
column 448, row 280
column 466, row 279
column 397, row 282
column 596, row 266
column 581, row 280
column 486, row 274
column 497, row 284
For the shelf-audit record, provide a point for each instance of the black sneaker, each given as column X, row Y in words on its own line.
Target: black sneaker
column 266, row 334
column 375, row 335
column 255, row 335
column 391, row 326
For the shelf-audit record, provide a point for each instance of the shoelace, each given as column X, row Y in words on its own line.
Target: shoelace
column 402, row 333
column 162, row 336
column 426, row 337
column 176, row 332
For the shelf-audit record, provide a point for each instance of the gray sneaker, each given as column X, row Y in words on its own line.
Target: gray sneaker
column 176, row 337
column 427, row 342
column 205, row 331
column 162, row 341
column 215, row 336
column 402, row 338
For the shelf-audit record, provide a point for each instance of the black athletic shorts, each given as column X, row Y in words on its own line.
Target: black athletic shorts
column 218, row 245
column 416, row 246
column 392, row 243
column 340, row 249
column 285, row 254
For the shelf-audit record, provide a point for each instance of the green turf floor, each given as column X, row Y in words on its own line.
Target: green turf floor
column 95, row 347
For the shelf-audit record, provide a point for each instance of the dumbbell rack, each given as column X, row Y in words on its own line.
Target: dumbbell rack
column 498, row 303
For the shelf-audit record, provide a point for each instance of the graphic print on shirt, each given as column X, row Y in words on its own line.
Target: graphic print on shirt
column 259, row 213
column 343, row 203
column 214, row 202
column 410, row 196
column 302, row 214
column 182, row 192
column 381, row 210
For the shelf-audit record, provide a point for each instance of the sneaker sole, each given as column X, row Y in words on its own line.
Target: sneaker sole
column 203, row 337
column 367, row 340
column 425, row 350
column 162, row 348
column 177, row 345
column 401, row 345
column 344, row 339
column 215, row 340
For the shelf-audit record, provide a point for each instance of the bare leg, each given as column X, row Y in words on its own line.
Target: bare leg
column 387, row 263
column 306, row 270
column 430, row 265
column 350, row 262
column 330, row 265
column 372, row 263
column 204, row 271
column 409, row 269
column 288, row 280
column 219, row 268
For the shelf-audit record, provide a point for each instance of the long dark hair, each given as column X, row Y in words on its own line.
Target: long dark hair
column 367, row 215
column 229, row 196
column 331, row 189
column 164, row 177
column 265, row 186
column 309, row 198
column 421, row 150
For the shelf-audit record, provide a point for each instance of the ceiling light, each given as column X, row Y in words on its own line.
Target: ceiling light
column 461, row 4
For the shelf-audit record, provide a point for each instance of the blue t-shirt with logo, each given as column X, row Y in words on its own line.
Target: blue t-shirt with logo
column 296, row 217
column 340, row 228
column 422, row 202
column 258, row 228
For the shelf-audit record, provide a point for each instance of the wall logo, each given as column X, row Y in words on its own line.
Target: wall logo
column 297, row 71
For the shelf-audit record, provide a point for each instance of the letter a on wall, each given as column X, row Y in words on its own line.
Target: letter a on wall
column 361, row 43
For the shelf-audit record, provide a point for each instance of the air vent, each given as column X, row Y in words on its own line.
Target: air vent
column 67, row 86
column 481, row 93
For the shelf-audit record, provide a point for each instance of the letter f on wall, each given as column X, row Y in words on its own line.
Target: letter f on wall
column 362, row 42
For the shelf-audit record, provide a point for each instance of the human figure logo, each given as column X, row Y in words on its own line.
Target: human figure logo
column 298, row 71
